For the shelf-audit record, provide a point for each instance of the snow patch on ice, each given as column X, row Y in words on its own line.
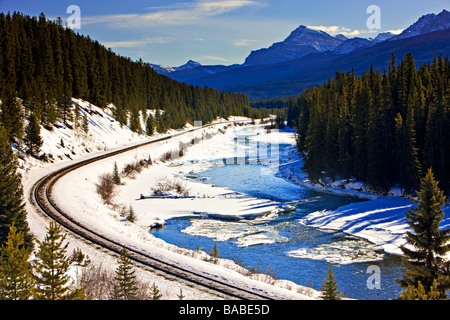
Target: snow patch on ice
column 340, row 252
column 246, row 234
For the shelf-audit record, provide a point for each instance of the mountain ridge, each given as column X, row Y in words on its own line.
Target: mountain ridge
column 301, row 42
column 299, row 51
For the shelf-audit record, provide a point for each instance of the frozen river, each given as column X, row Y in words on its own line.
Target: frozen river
column 282, row 245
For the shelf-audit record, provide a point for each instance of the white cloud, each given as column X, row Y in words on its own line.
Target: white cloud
column 244, row 42
column 134, row 43
column 177, row 14
column 212, row 58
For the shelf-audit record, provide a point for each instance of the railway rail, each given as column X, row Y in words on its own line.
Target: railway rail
column 41, row 196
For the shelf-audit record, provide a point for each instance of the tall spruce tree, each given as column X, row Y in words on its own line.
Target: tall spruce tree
column 116, row 175
column 12, row 117
column 52, row 265
column 150, row 125
column 12, row 208
column 125, row 287
column 427, row 243
column 16, row 279
column 33, row 139
column 329, row 288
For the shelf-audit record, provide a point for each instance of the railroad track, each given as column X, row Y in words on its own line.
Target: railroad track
column 41, row 196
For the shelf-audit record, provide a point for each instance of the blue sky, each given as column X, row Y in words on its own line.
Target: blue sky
column 170, row 32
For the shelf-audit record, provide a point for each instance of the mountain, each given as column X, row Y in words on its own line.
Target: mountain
column 353, row 44
column 301, row 42
column 189, row 65
column 426, row 24
column 308, row 57
column 165, row 70
column 191, row 70
column 291, row 77
column 384, row 36
column 350, row 45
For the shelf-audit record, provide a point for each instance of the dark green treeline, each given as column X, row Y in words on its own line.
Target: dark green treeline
column 46, row 64
column 384, row 129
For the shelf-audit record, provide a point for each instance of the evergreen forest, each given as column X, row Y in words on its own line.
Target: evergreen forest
column 385, row 128
column 44, row 64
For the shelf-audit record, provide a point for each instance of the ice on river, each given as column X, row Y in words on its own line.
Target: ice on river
column 245, row 233
column 341, row 252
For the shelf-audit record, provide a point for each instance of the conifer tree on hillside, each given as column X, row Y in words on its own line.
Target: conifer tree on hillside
column 378, row 128
column 329, row 288
column 33, row 140
column 427, row 243
column 125, row 287
column 52, row 265
column 150, row 125
column 154, row 292
column 16, row 279
column 11, row 194
column 116, row 175
column 12, row 117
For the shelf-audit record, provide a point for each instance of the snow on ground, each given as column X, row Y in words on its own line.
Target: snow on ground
column 76, row 194
column 78, row 190
column 379, row 220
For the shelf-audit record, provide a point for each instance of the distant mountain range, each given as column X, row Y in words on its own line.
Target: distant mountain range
column 308, row 57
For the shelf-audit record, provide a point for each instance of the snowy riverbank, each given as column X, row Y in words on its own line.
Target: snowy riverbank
column 379, row 220
column 76, row 194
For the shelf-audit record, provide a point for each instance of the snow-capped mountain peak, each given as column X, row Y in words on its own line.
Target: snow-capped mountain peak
column 353, row 44
column 165, row 70
column 384, row 36
column 189, row 65
column 301, row 42
column 427, row 23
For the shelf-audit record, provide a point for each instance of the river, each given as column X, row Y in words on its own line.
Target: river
column 284, row 247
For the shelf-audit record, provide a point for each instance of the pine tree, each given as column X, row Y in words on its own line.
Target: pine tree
column 16, row 280
column 11, row 194
column 52, row 266
column 116, row 175
column 85, row 123
column 125, row 287
column 180, row 295
column 33, row 139
column 154, row 292
column 424, row 260
column 135, row 123
column 215, row 252
column 150, row 125
column 12, row 117
column 329, row 287
column 419, row 293
column 131, row 216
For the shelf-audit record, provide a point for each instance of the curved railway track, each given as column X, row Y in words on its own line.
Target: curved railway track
column 41, row 196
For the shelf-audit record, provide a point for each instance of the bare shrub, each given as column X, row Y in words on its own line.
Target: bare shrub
column 181, row 188
column 132, row 168
column 166, row 156
column 163, row 186
column 174, row 154
column 106, row 187
column 264, row 274
column 98, row 283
